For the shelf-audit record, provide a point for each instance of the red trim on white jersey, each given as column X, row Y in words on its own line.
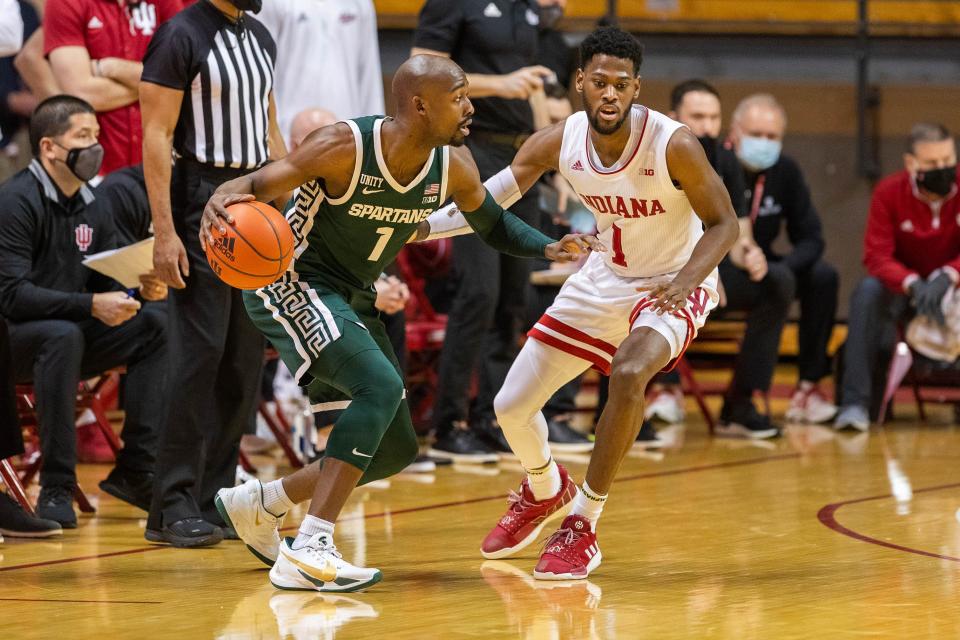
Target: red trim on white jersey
column 562, row 336
column 683, row 314
column 604, row 172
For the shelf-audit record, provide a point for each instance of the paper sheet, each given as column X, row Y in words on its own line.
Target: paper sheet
column 126, row 264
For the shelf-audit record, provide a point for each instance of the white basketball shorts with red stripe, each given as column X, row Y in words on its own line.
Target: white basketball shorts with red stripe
column 597, row 309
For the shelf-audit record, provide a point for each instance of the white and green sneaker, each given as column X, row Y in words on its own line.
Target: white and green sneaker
column 318, row 566
column 242, row 508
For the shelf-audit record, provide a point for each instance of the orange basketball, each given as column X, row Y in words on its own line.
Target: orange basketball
column 255, row 250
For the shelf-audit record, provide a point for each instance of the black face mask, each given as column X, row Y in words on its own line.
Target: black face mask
column 253, row 6
column 550, row 16
column 84, row 162
column 710, row 144
column 937, row 181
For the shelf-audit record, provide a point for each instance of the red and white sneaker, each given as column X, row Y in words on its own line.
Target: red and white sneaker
column 571, row 553
column 525, row 518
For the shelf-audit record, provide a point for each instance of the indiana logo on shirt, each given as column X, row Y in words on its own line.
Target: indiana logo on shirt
column 84, row 236
column 143, row 17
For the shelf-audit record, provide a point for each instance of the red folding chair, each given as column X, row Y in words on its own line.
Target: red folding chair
column 10, row 478
column 278, row 425
column 98, row 395
column 425, row 332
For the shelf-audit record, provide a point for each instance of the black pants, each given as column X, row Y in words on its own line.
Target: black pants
column 488, row 311
column 817, row 291
column 56, row 354
column 11, row 440
column 874, row 314
column 216, row 355
column 767, row 303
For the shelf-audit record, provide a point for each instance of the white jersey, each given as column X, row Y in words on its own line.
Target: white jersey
column 644, row 221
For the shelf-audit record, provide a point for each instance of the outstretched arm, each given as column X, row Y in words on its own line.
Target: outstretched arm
column 501, row 229
column 688, row 166
column 328, row 153
column 538, row 155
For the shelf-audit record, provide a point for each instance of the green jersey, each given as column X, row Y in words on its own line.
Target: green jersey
column 347, row 241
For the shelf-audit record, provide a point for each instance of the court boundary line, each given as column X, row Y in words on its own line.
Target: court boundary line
column 82, row 601
column 433, row 506
column 827, row 515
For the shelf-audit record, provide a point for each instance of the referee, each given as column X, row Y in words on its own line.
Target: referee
column 206, row 95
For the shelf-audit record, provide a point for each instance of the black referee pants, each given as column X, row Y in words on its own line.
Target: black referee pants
column 216, row 356
column 488, row 310
column 11, row 440
column 56, row 354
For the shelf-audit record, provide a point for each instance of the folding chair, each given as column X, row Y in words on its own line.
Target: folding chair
column 10, row 478
column 425, row 332
column 98, row 395
column 278, row 425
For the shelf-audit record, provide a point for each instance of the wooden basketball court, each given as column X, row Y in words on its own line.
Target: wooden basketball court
column 801, row 538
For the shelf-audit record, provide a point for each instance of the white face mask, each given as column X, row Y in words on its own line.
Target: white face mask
column 759, row 154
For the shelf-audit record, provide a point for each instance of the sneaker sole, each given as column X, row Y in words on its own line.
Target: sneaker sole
column 10, row 533
column 571, row 447
column 562, row 512
column 736, row 430
column 222, row 510
column 591, row 566
column 650, row 444
column 479, row 458
column 863, row 428
column 377, row 577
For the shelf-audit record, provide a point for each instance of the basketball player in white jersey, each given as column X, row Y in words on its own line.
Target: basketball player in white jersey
column 666, row 221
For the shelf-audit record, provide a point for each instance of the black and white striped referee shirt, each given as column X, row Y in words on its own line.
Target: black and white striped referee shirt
column 225, row 70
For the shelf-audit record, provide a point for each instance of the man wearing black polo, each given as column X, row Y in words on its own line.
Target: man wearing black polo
column 495, row 42
column 67, row 322
column 206, row 96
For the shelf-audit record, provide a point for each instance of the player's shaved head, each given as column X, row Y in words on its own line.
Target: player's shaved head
column 423, row 75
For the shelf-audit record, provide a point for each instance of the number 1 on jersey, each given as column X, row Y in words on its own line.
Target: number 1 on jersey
column 385, row 234
column 618, row 258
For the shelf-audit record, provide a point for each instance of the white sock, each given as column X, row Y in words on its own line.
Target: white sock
column 275, row 499
column 544, row 481
column 311, row 526
column 588, row 504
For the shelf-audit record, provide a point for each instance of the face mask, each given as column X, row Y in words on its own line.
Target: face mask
column 937, row 181
column 759, row 154
column 84, row 162
column 251, row 6
column 550, row 16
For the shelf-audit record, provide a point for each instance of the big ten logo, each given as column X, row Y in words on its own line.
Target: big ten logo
column 226, row 246
column 143, row 17
column 430, row 199
column 647, row 172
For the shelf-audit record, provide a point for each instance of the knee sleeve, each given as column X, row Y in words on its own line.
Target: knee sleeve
column 376, row 390
column 398, row 448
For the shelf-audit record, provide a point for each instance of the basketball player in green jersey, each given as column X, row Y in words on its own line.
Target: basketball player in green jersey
column 364, row 188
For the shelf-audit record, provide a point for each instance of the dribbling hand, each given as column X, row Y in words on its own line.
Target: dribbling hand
column 215, row 214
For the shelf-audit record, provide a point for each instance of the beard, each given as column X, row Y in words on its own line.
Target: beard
column 601, row 127
column 458, row 140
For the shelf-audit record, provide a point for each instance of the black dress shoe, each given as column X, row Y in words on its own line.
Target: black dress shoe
column 462, row 445
column 562, row 438
column 186, row 533
column 17, row 523
column 56, row 503
column 135, row 489
column 490, row 433
column 648, row 436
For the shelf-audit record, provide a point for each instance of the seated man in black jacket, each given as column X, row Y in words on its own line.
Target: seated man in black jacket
column 65, row 321
column 777, row 196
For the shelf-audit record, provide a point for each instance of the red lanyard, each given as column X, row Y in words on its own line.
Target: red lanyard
column 757, row 197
